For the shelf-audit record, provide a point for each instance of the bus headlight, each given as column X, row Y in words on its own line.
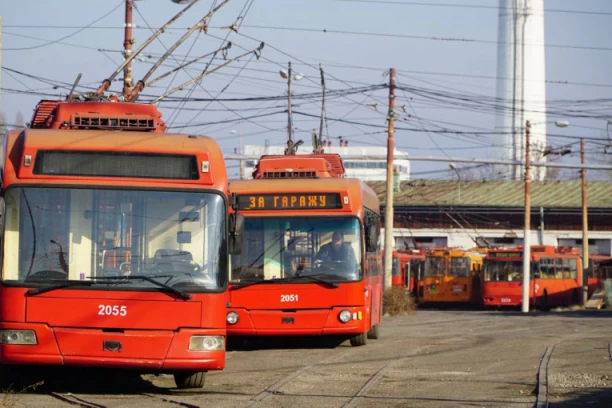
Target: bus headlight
column 206, row 343
column 17, row 337
column 232, row 317
column 344, row 316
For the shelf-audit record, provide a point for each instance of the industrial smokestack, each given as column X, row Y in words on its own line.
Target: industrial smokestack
column 521, row 89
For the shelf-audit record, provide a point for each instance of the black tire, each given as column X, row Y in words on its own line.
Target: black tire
column 374, row 333
column 359, row 340
column 190, row 379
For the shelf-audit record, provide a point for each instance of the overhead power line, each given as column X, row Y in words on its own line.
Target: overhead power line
column 472, row 6
column 51, row 42
column 420, row 37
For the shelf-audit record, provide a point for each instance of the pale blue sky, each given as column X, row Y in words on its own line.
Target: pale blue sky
column 351, row 59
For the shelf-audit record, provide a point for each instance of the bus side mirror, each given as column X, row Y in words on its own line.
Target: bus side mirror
column 236, row 233
column 372, row 233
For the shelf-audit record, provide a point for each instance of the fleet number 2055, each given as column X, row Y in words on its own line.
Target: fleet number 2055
column 108, row 310
column 289, row 298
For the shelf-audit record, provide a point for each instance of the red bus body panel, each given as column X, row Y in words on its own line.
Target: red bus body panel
column 542, row 292
column 260, row 310
column 405, row 259
column 156, row 330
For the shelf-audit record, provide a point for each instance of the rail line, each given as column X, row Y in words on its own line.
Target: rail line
column 372, row 381
column 542, row 383
column 273, row 389
column 79, row 401
column 72, row 399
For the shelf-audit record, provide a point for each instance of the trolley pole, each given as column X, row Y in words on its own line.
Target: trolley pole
column 127, row 48
column 527, row 232
column 289, row 118
column 389, row 199
column 585, row 228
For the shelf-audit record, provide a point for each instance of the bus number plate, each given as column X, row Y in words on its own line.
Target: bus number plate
column 288, row 298
column 108, row 310
column 505, row 300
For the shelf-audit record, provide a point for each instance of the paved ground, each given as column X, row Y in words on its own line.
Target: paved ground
column 430, row 359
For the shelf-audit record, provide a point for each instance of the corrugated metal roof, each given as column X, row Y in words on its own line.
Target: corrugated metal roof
column 557, row 194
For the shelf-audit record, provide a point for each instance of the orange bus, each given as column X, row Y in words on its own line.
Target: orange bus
column 311, row 263
column 556, row 276
column 114, row 243
column 452, row 275
column 407, row 269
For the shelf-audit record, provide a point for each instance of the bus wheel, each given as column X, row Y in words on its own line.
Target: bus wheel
column 359, row 340
column 190, row 379
column 374, row 333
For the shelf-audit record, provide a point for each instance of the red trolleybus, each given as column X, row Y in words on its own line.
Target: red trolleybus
column 311, row 263
column 407, row 268
column 114, row 249
column 556, row 276
column 452, row 275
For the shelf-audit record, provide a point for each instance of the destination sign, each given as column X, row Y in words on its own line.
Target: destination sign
column 505, row 254
column 321, row 201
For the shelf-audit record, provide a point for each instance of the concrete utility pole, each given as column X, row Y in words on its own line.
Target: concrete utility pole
column 0, row 64
column 585, row 228
column 527, row 232
column 389, row 199
column 127, row 48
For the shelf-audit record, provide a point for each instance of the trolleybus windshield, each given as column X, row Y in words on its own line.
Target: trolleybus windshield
column 459, row 266
column 499, row 271
column 105, row 237
column 435, row 266
column 281, row 248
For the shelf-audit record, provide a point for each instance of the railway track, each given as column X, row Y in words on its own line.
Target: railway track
column 89, row 402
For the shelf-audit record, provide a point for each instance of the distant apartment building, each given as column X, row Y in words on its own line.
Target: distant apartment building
column 352, row 157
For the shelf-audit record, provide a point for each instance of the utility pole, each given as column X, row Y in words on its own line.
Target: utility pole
column 585, row 228
column 127, row 48
column 241, row 153
column 527, row 232
column 0, row 64
column 389, row 199
column 289, row 118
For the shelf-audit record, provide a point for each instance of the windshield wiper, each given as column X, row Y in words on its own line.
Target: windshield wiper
column 314, row 278
column 178, row 292
column 244, row 284
column 59, row 284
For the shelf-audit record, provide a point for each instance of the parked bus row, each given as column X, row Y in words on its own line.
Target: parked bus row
column 494, row 277
column 120, row 240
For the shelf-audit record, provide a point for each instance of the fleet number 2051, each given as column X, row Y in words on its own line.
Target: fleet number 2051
column 108, row 310
column 289, row 298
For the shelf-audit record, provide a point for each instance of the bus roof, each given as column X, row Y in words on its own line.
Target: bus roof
column 23, row 142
